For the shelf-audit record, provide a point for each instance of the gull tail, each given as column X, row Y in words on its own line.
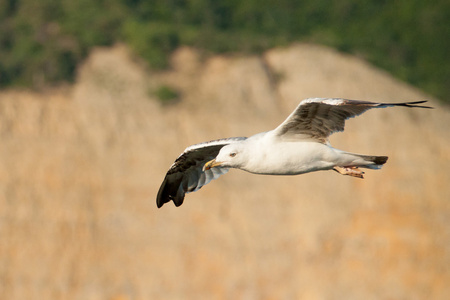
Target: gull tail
column 376, row 161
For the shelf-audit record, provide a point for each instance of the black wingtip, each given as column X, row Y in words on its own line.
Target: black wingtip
column 170, row 191
column 162, row 198
column 160, row 202
column 178, row 203
column 414, row 104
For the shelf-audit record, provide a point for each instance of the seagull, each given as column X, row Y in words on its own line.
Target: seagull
column 299, row 145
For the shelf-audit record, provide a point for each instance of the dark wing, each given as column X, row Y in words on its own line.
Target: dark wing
column 187, row 175
column 318, row 118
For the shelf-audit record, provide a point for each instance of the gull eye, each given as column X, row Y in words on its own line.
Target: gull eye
column 232, row 154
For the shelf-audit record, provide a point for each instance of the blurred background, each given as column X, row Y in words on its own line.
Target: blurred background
column 43, row 42
column 98, row 98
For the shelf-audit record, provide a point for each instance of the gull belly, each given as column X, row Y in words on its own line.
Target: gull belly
column 289, row 157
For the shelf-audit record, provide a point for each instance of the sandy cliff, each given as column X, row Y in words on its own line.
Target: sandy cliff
column 80, row 168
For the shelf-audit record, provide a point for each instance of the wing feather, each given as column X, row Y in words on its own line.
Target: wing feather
column 318, row 118
column 186, row 173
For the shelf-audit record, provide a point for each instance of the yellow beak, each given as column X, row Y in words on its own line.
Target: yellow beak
column 211, row 164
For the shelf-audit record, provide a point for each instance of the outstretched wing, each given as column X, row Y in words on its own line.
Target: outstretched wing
column 187, row 175
column 318, row 118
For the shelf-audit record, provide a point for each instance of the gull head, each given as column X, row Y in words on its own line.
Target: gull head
column 230, row 156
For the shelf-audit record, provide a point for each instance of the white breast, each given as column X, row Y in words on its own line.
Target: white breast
column 272, row 156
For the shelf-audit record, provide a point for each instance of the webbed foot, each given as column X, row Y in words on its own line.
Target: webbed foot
column 350, row 171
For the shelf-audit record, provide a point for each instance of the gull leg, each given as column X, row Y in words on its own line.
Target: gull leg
column 350, row 171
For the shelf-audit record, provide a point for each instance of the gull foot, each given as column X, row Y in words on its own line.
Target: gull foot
column 350, row 171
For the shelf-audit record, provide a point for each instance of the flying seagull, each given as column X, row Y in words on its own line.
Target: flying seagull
column 299, row 145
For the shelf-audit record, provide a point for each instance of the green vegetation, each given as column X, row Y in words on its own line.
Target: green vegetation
column 41, row 42
column 166, row 94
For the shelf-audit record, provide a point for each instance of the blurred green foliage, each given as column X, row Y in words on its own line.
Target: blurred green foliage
column 166, row 94
column 41, row 42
